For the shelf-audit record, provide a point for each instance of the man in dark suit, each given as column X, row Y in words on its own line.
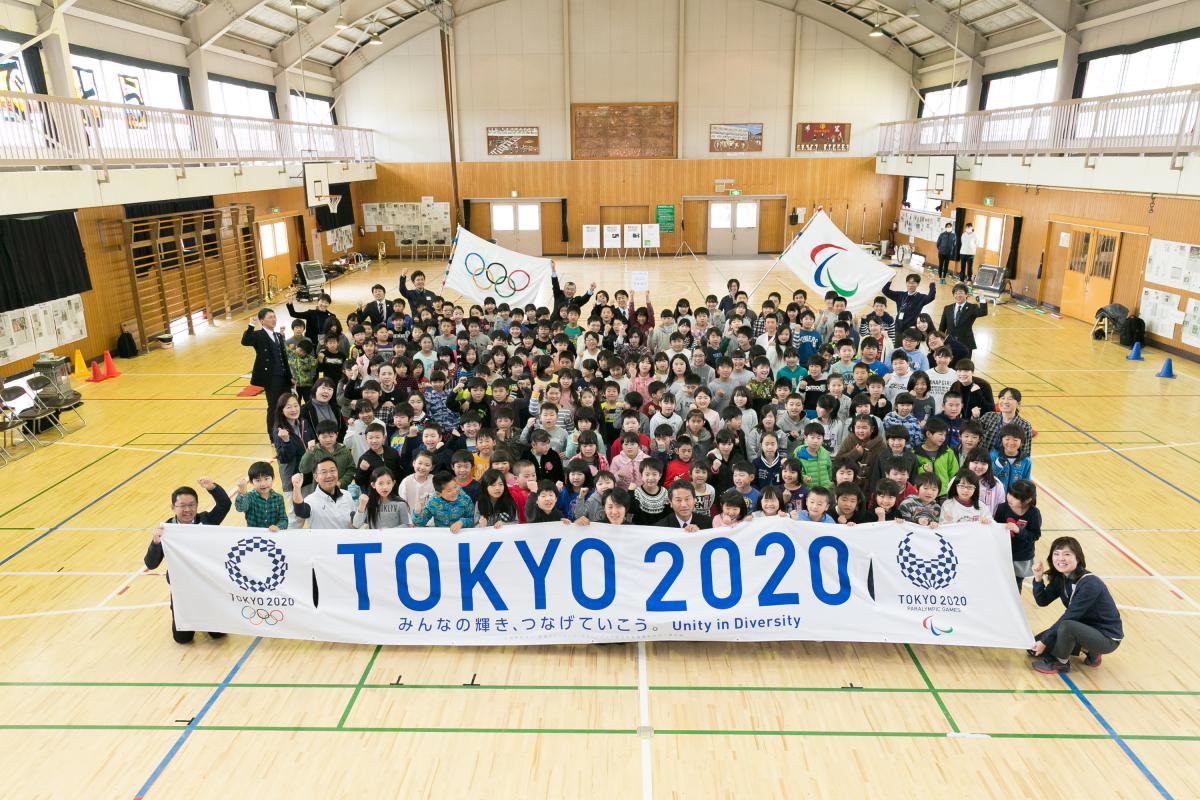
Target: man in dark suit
column 376, row 311
column 683, row 510
column 315, row 319
column 958, row 318
column 271, row 371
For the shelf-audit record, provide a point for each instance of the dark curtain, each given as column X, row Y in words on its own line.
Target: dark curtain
column 41, row 259
column 158, row 208
column 34, row 70
column 960, row 222
column 274, row 103
column 565, row 230
column 185, row 93
column 327, row 220
column 1010, row 266
column 466, row 214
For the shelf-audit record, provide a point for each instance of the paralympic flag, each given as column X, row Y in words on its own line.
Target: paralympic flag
column 825, row 259
column 480, row 269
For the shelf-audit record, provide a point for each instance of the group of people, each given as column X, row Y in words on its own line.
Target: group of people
column 417, row 411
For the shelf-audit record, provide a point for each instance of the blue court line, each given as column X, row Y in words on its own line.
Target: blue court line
column 183, row 737
column 1114, row 451
column 1116, row 737
column 158, row 460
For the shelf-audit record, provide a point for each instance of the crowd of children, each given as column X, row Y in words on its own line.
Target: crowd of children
column 421, row 412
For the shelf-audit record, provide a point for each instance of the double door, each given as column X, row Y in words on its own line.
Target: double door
column 1088, row 278
column 733, row 227
column 518, row 226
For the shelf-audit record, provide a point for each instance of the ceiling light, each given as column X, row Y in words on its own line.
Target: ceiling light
column 375, row 40
column 876, row 32
column 341, row 23
column 299, row 5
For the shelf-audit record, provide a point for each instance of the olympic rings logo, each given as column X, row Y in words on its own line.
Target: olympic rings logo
column 261, row 616
column 496, row 276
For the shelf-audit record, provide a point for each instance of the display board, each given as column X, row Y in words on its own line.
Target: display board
column 612, row 237
column 506, row 141
column 1191, row 324
column 650, row 238
column 922, row 224
column 735, row 137
column 822, row 137
column 340, row 239
column 1174, row 264
column 25, row 332
column 633, row 236
column 1160, row 311
column 591, row 237
column 623, row 130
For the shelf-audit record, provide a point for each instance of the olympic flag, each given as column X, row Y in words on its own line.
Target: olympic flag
column 548, row 583
column 825, row 259
column 481, row 269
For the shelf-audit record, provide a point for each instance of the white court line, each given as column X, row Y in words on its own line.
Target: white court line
column 1112, row 449
column 176, row 451
column 81, row 611
column 1117, row 545
column 644, row 729
column 66, row 573
column 1168, row 611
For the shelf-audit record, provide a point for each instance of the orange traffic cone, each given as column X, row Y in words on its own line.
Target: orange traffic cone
column 110, row 369
column 81, row 370
column 96, row 376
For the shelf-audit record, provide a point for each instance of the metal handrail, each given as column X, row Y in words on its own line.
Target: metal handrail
column 43, row 131
column 1160, row 121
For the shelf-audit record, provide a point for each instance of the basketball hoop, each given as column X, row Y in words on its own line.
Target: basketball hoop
column 331, row 201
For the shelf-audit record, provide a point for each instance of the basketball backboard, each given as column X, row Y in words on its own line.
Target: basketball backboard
column 316, row 183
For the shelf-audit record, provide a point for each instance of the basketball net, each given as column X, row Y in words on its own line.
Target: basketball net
column 331, row 201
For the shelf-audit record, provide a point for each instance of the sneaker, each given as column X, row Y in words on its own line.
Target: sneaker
column 217, row 635
column 1092, row 661
column 1050, row 666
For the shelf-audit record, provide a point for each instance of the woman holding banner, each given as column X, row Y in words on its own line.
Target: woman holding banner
column 1091, row 624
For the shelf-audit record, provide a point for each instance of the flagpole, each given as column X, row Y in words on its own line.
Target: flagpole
column 449, row 261
column 781, row 255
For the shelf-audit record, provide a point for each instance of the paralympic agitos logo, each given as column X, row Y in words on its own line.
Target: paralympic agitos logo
column 821, row 257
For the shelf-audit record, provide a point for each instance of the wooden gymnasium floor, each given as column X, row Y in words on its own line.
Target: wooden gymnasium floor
column 97, row 701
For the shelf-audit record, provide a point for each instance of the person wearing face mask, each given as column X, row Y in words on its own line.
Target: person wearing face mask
column 1091, row 625
column 185, row 504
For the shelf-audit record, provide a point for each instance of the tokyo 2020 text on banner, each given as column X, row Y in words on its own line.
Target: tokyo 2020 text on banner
column 552, row 583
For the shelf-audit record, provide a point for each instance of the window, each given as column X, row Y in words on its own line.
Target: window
column 281, row 238
column 266, row 233
column 312, row 109
column 747, row 215
column 944, row 101
column 110, row 81
column 916, row 194
column 1024, row 89
column 720, row 215
column 502, row 217
column 1152, row 67
column 239, row 100
column 529, row 217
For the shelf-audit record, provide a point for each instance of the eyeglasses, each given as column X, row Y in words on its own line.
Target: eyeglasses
column 186, row 506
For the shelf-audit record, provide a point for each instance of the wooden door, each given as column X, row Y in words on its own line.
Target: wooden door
column 694, row 225
column 771, row 226
column 1075, row 276
column 1098, row 288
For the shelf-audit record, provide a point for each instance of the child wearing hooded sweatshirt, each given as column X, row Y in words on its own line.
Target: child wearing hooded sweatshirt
column 935, row 456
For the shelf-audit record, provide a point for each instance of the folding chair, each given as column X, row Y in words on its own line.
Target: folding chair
column 54, row 398
column 10, row 422
column 36, row 413
column 412, row 248
column 422, row 243
column 442, row 247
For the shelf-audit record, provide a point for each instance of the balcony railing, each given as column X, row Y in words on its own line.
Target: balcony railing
column 1163, row 121
column 41, row 131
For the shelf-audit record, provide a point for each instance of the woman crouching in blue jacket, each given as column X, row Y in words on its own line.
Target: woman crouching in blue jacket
column 1091, row 624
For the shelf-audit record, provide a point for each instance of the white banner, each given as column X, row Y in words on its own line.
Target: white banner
column 768, row 579
column 481, row 269
column 825, row 259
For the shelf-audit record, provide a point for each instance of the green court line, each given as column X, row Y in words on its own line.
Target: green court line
column 929, row 684
column 65, row 478
column 358, row 687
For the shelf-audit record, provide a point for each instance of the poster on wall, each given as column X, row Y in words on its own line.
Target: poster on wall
column 1191, row 324
column 922, row 224
column 822, row 137
column 12, row 79
column 735, row 137
column 502, row 141
column 371, row 215
column 1173, row 264
column 1160, row 311
column 131, row 93
column 25, row 332
column 340, row 239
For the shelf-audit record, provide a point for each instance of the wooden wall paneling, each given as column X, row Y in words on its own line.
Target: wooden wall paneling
column 481, row 220
column 552, row 243
column 695, row 225
column 1131, row 267
column 772, row 217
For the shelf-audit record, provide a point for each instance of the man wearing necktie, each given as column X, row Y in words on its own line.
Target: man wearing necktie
column 271, row 371
column 958, row 319
column 376, row 311
column 683, row 510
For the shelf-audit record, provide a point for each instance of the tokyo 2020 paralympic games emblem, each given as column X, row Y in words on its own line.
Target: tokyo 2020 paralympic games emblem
column 270, row 550
column 495, row 276
column 826, row 281
column 927, row 573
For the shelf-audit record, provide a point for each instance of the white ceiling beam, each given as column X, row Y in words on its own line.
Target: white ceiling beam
column 1137, row 9
column 1059, row 15
column 1047, row 36
column 208, row 24
column 360, row 59
column 847, row 24
column 934, row 18
column 125, row 25
column 323, row 28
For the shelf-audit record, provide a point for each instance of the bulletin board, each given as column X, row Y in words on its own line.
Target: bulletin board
column 623, row 130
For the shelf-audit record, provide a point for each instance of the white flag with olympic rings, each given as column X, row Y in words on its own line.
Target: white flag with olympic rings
column 481, row 269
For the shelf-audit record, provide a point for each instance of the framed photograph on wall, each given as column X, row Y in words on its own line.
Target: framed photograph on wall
column 513, row 141
column 735, row 137
column 822, row 137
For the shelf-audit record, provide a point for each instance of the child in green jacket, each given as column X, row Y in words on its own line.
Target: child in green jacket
column 815, row 462
column 935, row 456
